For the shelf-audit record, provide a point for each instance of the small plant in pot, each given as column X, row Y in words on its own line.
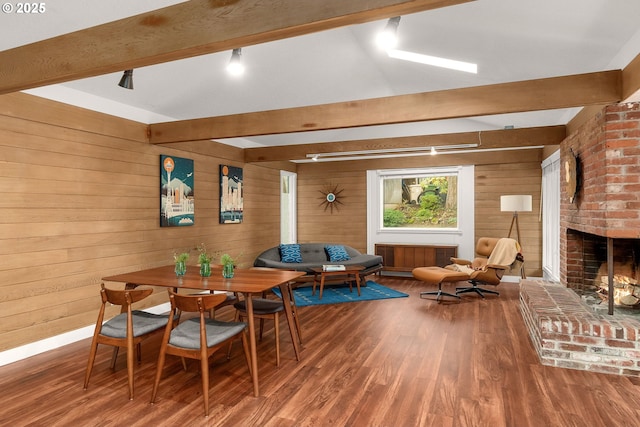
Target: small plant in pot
column 180, row 260
column 204, row 259
column 227, row 265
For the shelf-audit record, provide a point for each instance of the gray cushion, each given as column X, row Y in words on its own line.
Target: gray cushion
column 262, row 306
column 143, row 323
column 187, row 333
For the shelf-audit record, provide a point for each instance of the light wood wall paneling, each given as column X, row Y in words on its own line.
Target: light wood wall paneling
column 493, row 181
column 33, row 108
column 78, row 205
column 347, row 223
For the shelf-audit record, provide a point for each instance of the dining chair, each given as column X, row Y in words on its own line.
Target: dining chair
column 197, row 337
column 269, row 309
column 128, row 329
column 230, row 299
column 263, row 308
column 292, row 300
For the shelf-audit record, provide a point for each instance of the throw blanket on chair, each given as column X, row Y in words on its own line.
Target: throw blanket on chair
column 506, row 253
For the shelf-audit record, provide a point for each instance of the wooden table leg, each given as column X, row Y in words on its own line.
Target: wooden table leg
column 321, row 286
column 252, row 343
column 284, row 291
column 358, row 282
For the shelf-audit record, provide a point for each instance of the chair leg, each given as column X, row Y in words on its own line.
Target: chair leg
column 236, row 318
column 92, row 358
column 139, row 352
column 130, row 360
column 475, row 288
column 160, row 367
column 204, row 367
column 276, row 330
column 297, row 323
column 439, row 293
column 114, row 356
column 245, row 348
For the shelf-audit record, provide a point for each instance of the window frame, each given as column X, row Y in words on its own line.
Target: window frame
column 462, row 236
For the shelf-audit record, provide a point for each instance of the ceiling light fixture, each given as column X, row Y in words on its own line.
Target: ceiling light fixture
column 384, row 151
column 127, row 80
column 235, row 66
column 433, row 60
column 388, row 38
column 407, row 152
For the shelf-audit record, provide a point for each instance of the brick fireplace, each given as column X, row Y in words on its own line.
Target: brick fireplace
column 606, row 208
column 600, row 232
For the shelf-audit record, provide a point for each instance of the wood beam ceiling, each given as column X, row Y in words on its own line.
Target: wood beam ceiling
column 527, row 137
column 185, row 30
column 531, row 95
column 631, row 78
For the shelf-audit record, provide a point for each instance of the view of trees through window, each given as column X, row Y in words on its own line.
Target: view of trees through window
column 427, row 201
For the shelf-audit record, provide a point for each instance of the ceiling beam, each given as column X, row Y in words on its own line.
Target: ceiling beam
column 631, row 78
column 531, row 95
column 525, row 137
column 185, row 30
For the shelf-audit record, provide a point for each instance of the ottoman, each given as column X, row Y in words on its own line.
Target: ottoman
column 437, row 275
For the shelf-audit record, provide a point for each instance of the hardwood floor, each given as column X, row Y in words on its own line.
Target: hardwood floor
column 398, row 362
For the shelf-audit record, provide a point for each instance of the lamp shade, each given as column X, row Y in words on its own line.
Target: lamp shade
column 518, row 203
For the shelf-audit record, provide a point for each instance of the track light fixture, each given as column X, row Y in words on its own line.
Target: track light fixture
column 235, row 66
column 388, row 38
column 127, row 80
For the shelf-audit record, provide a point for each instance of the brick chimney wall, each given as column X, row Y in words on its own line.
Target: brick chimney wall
column 608, row 199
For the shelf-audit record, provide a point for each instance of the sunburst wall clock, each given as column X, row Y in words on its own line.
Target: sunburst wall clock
column 330, row 197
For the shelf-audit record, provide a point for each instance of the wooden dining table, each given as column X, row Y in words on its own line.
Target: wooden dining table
column 247, row 282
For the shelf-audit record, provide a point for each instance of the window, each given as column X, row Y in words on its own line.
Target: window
column 460, row 189
column 423, row 200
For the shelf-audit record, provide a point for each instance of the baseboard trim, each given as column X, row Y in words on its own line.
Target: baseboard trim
column 34, row 348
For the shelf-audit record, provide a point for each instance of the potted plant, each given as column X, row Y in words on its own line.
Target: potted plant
column 180, row 260
column 205, row 260
column 227, row 266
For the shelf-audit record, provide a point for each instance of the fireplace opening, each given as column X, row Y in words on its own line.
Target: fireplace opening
column 588, row 270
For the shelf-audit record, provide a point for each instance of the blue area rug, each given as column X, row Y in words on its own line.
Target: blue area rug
column 336, row 294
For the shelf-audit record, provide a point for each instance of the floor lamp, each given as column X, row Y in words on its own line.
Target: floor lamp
column 515, row 204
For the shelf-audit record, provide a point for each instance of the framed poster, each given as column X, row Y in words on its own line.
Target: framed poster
column 176, row 192
column 231, row 194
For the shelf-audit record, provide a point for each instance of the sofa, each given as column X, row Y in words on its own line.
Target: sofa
column 316, row 255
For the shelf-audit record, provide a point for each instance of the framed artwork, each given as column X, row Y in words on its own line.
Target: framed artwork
column 176, row 192
column 231, row 194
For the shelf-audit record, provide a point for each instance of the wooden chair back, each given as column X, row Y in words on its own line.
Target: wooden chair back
column 198, row 303
column 125, row 299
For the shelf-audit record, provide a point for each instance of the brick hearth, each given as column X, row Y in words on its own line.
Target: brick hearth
column 568, row 334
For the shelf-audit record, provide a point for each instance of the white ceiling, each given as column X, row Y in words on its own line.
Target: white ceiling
column 510, row 40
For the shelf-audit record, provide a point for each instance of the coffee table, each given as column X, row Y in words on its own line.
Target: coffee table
column 347, row 273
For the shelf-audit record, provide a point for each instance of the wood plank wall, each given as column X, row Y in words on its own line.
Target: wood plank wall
column 496, row 174
column 80, row 201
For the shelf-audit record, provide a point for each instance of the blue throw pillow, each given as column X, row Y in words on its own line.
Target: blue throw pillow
column 337, row 253
column 290, row 253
